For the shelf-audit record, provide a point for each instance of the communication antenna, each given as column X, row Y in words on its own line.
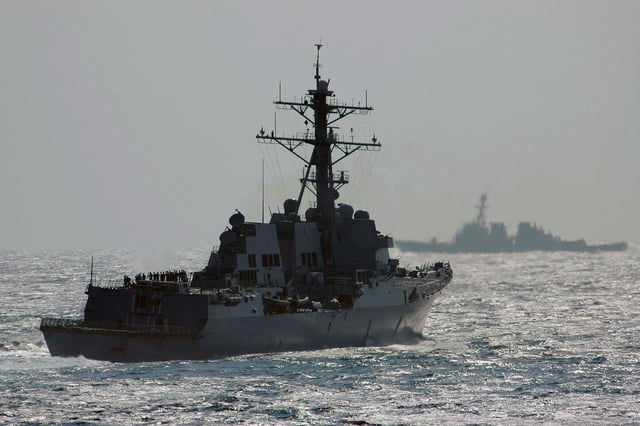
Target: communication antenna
column 318, row 46
column 91, row 276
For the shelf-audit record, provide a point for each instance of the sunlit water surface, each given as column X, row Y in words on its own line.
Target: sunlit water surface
column 515, row 339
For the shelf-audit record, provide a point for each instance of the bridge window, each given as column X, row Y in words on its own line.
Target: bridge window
column 309, row 259
column 362, row 276
column 249, row 277
column 270, row 260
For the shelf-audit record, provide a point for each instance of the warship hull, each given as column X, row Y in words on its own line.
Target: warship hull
column 221, row 337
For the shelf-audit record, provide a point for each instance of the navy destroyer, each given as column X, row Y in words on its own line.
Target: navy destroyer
column 478, row 237
column 323, row 279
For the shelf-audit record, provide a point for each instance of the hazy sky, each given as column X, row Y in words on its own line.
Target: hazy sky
column 132, row 124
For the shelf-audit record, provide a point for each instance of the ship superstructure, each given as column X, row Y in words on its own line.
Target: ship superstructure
column 295, row 283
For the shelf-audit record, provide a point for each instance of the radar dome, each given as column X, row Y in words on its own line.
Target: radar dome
column 236, row 219
column 290, row 206
column 345, row 211
column 311, row 215
column 361, row 214
column 227, row 237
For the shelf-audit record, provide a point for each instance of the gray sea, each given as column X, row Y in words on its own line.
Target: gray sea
column 527, row 338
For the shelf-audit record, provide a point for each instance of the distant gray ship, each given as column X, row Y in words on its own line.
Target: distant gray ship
column 322, row 280
column 477, row 237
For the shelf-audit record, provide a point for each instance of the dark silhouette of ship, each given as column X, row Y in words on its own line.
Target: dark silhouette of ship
column 478, row 237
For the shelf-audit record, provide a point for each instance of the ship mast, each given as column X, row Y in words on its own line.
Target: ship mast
column 480, row 219
column 324, row 141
